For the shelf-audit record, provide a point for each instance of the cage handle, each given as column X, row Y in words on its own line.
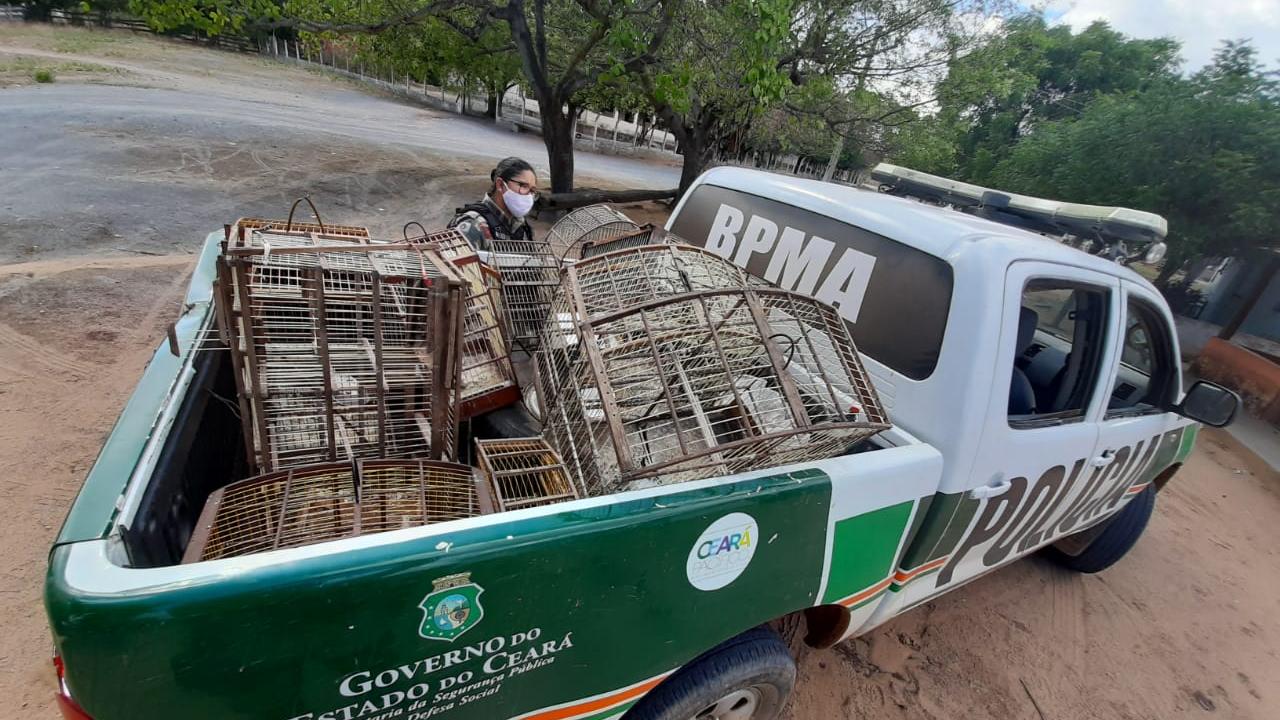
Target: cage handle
column 289, row 225
column 405, row 231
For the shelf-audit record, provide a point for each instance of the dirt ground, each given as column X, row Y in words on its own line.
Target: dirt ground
column 102, row 208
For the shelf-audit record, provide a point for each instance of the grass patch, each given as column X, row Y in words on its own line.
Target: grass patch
column 83, row 41
column 71, row 40
column 23, row 69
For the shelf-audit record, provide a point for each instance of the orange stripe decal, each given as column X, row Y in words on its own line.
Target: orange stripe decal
column 904, row 577
column 864, row 594
column 601, row 703
column 1137, row 488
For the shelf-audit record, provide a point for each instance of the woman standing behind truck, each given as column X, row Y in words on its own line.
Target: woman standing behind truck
column 500, row 213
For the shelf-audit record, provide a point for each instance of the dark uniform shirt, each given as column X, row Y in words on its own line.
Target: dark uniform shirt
column 481, row 233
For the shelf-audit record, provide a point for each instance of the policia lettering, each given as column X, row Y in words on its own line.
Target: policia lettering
column 1020, row 520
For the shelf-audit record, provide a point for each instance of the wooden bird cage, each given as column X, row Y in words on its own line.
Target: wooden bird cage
column 667, row 363
column 330, row 501
column 524, row 472
column 590, row 225
column 341, row 348
column 488, row 377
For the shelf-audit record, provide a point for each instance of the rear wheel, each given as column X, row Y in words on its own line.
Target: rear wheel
column 1098, row 548
column 747, row 678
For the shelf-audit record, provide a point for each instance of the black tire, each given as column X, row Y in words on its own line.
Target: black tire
column 756, row 662
column 1116, row 538
column 507, row 422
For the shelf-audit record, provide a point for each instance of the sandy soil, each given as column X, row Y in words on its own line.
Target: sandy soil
column 1183, row 627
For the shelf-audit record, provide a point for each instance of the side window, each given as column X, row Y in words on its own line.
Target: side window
column 1146, row 376
column 1061, row 334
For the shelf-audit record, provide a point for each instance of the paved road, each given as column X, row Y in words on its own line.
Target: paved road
column 99, row 168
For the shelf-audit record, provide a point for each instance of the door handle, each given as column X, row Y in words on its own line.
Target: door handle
column 1104, row 459
column 989, row 491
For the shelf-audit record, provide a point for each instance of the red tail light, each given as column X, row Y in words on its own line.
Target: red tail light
column 70, row 710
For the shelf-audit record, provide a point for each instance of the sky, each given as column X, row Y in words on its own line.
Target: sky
column 1199, row 24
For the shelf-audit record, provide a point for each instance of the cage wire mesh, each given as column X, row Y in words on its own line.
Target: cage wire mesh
column 530, row 275
column 588, row 225
column 524, row 472
column 665, row 364
column 645, row 235
column 341, row 348
column 329, row 501
column 488, row 377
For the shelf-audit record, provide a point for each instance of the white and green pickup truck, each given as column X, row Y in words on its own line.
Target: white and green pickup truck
column 1036, row 400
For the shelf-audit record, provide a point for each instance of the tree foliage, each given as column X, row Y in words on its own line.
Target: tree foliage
column 1037, row 73
column 1202, row 151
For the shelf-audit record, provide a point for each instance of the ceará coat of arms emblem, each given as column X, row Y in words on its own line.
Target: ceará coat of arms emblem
column 451, row 609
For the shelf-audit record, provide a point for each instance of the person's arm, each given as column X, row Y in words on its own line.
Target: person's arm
column 475, row 229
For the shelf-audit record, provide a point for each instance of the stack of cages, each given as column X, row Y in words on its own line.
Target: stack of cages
column 341, row 348
column 331, row 501
column 488, row 378
column 663, row 364
column 588, row 226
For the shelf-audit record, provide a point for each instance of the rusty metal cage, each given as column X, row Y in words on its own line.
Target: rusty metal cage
column 488, row 377
column 330, row 501
column 667, row 363
column 524, row 472
column 341, row 348
column 590, row 225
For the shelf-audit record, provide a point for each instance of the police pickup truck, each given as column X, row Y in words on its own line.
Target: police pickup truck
column 1036, row 400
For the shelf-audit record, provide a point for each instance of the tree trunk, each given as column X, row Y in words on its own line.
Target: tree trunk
column 580, row 198
column 491, row 105
column 697, row 155
column 557, row 136
column 835, row 159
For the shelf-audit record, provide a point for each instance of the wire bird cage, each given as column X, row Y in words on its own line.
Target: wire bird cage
column 663, row 364
column 524, row 472
column 588, row 225
column 488, row 377
column 530, row 274
column 341, row 348
column 330, row 501
column 645, row 235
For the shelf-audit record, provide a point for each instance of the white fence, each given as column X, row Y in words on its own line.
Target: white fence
column 607, row 133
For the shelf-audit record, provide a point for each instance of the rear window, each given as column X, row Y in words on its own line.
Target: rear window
column 894, row 297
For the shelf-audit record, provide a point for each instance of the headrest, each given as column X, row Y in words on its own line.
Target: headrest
column 1028, row 319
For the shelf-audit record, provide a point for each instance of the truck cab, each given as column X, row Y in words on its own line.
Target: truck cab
column 1035, row 400
column 1047, row 377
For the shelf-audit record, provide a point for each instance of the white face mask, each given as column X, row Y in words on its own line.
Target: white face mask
column 518, row 205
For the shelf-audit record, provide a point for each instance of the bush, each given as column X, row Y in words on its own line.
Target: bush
column 44, row 76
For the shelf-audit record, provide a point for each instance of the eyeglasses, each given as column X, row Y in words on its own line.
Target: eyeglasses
column 523, row 188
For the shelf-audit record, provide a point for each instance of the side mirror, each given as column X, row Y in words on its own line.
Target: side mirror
column 1210, row 404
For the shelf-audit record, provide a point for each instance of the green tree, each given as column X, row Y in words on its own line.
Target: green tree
column 719, row 69
column 1038, row 73
column 1204, row 152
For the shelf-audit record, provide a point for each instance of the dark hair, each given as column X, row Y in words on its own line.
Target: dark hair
column 507, row 169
